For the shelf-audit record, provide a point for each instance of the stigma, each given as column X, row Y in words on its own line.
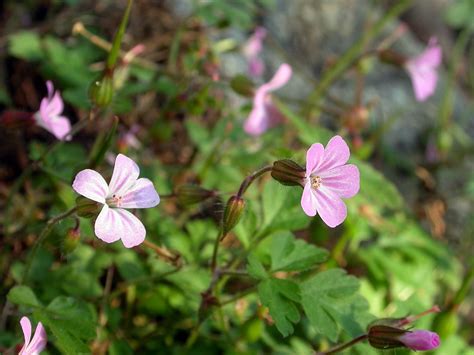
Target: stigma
column 114, row 201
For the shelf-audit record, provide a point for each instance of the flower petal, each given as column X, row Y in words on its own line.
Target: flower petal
column 343, row 180
column 314, row 155
column 330, row 207
column 308, row 201
column 108, row 225
column 91, row 184
column 258, row 121
column 56, row 105
column 281, row 77
column 423, row 81
column 141, row 195
column 336, row 153
column 50, row 87
column 61, row 127
column 125, row 174
column 113, row 224
column 26, row 328
column 38, row 343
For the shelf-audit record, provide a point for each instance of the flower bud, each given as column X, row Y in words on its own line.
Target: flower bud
column 420, row 340
column 289, row 173
column 390, row 57
column 190, row 194
column 102, row 90
column 232, row 213
column 385, row 336
column 86, row 208
column 71, row 240
column 242, row 85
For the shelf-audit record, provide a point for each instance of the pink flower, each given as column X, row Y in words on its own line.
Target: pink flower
column 420, row 340
column 49, row 115
column 38, row 343
column 422, row 70
column 125, row 190
column 264, row 114
column 252, row 49
column 328, row 179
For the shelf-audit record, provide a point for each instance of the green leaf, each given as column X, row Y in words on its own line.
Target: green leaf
column 255, row 268
column 23, row 296
column 25, row 45
column 280, row 296
column 327, row 300
column 71, row 322
column 290, row 254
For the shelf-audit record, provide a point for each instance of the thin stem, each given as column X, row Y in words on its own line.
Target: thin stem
column 163, row 252
column 32, row 167
column 338, row 348
column 39, row 241
column 238, row 296
column 349, row 58
column 251, row 178
column 215, row 251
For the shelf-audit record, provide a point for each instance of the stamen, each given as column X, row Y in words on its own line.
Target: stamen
column 315, row 182
column 114, row 201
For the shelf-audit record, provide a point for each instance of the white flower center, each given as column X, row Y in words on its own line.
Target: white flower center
column 114, row 201
column 315, row 181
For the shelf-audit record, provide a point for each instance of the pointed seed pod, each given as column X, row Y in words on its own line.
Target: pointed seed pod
column 232, row 213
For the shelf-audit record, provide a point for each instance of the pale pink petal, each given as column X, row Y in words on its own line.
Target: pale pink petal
column 125, row 174
column 308, row 201
column 38, row 343
column 420, row 340
column 430, row 57
column 26, row 328
column 142, row 194
column 258, row 121
column 113, row 224
column 424, row 82
column 330, row 207
column 56, row 105
column 89, row 183
column 314, row 155
column 281, row 77
column 61, row 127
column 343, row 180
column 50, row 87
column 336, row 153
column 254, row 44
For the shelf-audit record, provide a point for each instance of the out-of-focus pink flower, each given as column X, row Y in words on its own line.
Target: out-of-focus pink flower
column 38, row 343
column 420, row 340
column 328, row 179
column 128, row 139
column 264, row 114
column 423, row 70
column 49, row 115
column 252, row 49
column 125, row 190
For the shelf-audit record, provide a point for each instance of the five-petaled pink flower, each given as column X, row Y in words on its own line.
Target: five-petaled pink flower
column 423, row 70
column 264, row 114
column 38, row 343
column 420, row 340
column 252, row 49
column 49, row 115
column 328, row 179
column 125, row 190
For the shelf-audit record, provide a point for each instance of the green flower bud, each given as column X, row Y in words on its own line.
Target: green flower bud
column 190, row 194
column 71, row 240
column 232, row 213
column 289, row 173
column 87, row 208
column 385, row 336
column 101, row 91
column 242, row 85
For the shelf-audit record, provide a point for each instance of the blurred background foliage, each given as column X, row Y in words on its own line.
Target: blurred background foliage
column 303, row 286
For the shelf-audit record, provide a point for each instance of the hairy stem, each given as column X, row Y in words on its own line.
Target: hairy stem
column 341, row 347
column 251, row 178
column 41, row 238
